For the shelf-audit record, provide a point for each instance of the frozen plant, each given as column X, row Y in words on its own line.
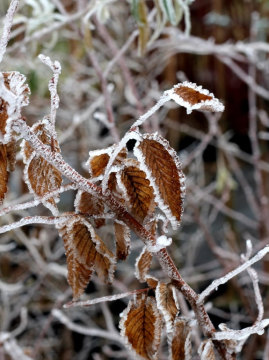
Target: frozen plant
column 140, row 192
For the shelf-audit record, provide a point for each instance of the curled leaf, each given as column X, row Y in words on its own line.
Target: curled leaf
column 194, row 97
column 167, row 304
column 40, row 176
column 137, row 190
column 88, row 204
column 141, row 326
column 180, row 342
column 142, row 264
column 85, row 252
column 162, row 167
column 98, row 160
column 122, row 237
column 206, row 350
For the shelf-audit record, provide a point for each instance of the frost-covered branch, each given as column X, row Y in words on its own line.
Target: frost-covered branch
column 216, row 283
column 7, row 27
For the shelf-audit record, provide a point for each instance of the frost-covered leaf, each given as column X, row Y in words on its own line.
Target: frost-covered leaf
column 167, row 304
column 88, row 204
column 142, row 264
column 3, row 172
column 206, row 350
column 162, row 167
column 98, row 160
column 15, row 95
column 152, row 281
column 137, row 190
column 122, row 237
column 40, row 176
column 85, row 252
column 194, row 97
column 180, row 342
column 141, row 326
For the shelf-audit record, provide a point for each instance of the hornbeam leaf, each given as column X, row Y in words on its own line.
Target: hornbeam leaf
column 206, row 350
column 98, row 160
column 142, row 264
column 180, row 342
column 122, row 237
column 40, row 176
column 167, row 304
column 194, row 97
column 137, row 190
column 88, row 204
column 85, row 252
column 141, row 326
column 163, row 169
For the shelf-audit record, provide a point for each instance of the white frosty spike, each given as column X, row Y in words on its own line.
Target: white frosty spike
column 212, row 104
column 7, row 27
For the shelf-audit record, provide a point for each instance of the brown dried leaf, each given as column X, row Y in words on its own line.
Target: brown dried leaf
column 141, row 326
column 190, row 95
column 206, row 350
column 194, row 97
column 180, row 344
column 3, row 172
column 85, row 252
column 167, row 304
column 89, row 204
column 122, row 236
column 138, row 190
column 40, row 176
column 152, row 281
column 98, row 160
column 142, row 264
column 162, row 167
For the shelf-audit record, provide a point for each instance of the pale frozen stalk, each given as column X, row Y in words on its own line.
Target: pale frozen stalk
column 60, row 316
column 7, row 27
column 102, row 299
column 48, row 220
column 216, row 283
column 38, row 200
column 255, row 281
column 55, row 66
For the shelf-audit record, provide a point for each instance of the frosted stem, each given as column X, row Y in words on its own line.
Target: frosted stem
column 103, row 299
column 48, row 220
column 55, row 66
column 7, row 27
column 216, row 283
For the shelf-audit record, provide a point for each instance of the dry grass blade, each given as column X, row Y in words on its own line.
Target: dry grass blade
column 167, row 304
column 85, row 252
column 141, row 326
column 162, row 167
column 3, row 172
column 139, row 192
column 142, row 264
column 180, row 345
column 122, row 237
